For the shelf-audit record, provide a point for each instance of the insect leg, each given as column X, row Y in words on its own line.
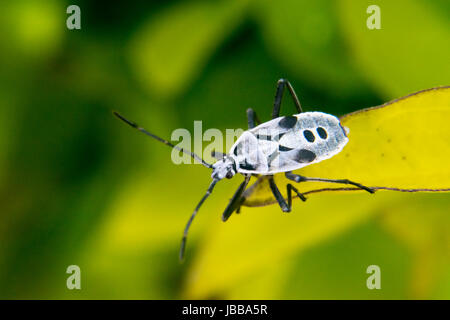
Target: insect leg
column 241, row 201
column 235, row 201
column 276, row 193
column 290, row 187
column 252, row 118
column 279, row 95
column 299, row 178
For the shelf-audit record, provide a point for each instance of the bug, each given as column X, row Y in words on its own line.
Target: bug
column 280, row 145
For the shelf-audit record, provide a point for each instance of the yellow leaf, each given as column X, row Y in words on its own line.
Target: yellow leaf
column 248, row 242
column 402, row 145
column 424, row 226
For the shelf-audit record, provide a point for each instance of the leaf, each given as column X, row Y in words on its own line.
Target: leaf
column 393, row 156
column 321, row 272
column 172, row 48
column 233, row 251
column 35, row 31
column 304, row 36
column 424, row 226
column 410, row 50
column 402, row 144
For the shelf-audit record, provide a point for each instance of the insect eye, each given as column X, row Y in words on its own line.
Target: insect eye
column 322, row 133
column 309, row 135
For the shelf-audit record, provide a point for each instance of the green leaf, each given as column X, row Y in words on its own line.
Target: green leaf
column 408, row 53
column 171, row 50
column 35, row 30
column 304, row 36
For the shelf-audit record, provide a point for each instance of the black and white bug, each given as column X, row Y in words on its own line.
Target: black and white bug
column 280, row 145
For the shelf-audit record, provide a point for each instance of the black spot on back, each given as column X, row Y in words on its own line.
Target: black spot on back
column 270, row 138
column 305, row 156
column 263, row 137
column 309, row 135
column 247, row 166
column 288, row 122
column 283, row 148
column 322, row 133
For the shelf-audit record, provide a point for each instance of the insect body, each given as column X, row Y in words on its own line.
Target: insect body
column 288, row 143
column 282, row 144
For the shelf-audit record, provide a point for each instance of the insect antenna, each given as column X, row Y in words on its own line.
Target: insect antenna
column 186, row 229
column 134, row 125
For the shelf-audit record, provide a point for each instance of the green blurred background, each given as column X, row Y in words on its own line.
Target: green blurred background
column 79, row 187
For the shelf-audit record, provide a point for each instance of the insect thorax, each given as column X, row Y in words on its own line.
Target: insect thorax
column 225, row 168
